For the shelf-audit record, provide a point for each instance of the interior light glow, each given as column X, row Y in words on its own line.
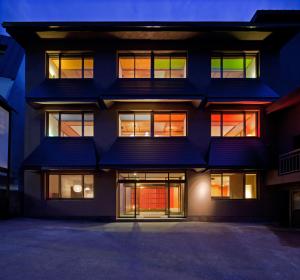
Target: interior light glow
column 77, row 188
column 248, row 191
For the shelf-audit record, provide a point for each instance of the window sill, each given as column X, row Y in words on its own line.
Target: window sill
column 69, row 199
column 233, row 199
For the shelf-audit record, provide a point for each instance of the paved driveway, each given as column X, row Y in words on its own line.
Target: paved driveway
column 43, row 249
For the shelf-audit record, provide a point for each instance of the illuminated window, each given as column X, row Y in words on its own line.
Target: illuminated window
column 67, row 66
column 70, row 186
column 234, row 66
column 169, row 124
column 135, row 124
column 164, row 124
column 234, row 124
column 70, row 124
column 234, row 185
column 138, row 65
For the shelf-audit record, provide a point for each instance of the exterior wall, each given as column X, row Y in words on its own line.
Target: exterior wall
column 103, row 205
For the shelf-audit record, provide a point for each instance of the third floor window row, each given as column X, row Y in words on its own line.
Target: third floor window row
column 152, row 64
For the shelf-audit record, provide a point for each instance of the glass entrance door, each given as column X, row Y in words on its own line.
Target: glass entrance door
column 176, row 199
column 152, row 200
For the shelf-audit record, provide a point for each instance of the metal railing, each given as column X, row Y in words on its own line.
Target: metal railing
column 289, row 162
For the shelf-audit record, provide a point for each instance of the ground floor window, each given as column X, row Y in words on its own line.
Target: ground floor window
column 151, row 194
column 234, row 185
column 70, row 186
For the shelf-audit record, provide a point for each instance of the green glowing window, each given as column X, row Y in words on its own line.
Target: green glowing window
column 234, row 66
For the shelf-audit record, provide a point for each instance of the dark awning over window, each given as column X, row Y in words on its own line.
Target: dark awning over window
column 234, row 90
column 63, row 153
column 152, row 153
column 237, row 152
column 64, row 90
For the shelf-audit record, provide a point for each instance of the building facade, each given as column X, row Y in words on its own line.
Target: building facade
column 150, row 120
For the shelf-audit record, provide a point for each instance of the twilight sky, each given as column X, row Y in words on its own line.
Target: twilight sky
column 139, row 10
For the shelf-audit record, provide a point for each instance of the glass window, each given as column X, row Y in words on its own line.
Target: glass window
column 215, row 124
column 162, row 125
column 53, row 124
column 53, row 70
column 234, row 66
column 234, row 185
column 142, row 124
column 234, row 124
column 178, row 124
column 70, row 124
column 88, row 124
column 216, row 67
column 135, row 66
column 216, row 185
column 4, row 137
column 71, row 186
column 250, row 186
column 138, row 65
column 251, row 69
column 88, row 67
column 126, row 124
column 70, row 66
column 142, row 67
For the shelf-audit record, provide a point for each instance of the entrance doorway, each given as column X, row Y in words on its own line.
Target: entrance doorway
column 151, row 196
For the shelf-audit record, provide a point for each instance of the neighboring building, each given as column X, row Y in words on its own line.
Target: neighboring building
column 12, row 98
column 151, row 120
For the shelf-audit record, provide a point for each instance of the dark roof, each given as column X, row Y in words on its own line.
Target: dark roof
column 276, row 16
column 237, row 152
column 284, row 102
column 67, row 90
column 63, row 153
column 222, row 90
column 11, row 59
column 152, row 89
column 152, row 153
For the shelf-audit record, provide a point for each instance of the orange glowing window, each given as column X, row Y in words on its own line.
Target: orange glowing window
column 234, row 124
column 135, row 66
column 135, row 124
column 170, row 124
column 234, row 185
column 69, row 66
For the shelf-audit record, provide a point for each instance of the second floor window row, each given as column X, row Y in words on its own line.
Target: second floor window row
column 152, row 65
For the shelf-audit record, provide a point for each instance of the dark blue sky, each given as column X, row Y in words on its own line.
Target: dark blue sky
column 121, row 10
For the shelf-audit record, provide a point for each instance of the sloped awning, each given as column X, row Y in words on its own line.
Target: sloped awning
column 127, row 153
column 243, row 90
column 64, row 91
column 237, row 152
column 63, row 153
column 168, row 90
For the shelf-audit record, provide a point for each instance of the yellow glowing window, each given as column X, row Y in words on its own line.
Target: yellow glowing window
column 234, row 185
column 70, row 66
column 135, row 66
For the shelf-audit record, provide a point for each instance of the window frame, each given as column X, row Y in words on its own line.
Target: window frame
column 152, row 113
column 221, row 55
column 152, row 54
column 82, row 113
column 221, row 173
column 59, row 56
column 244, row 112
column 59, row 174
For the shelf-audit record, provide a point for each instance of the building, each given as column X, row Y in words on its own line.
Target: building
column 12, row 99
column 151, row 120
